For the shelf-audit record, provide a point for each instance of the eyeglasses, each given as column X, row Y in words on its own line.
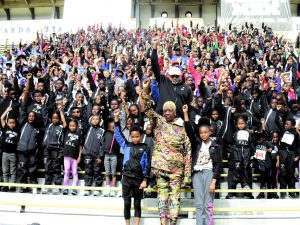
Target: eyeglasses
column 174, row 76
column 76, row 111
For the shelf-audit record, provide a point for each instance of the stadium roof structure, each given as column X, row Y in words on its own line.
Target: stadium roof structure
column 30, row 6
column 176, row 2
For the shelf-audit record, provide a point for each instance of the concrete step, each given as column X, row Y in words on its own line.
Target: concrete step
column 224, row 186
column 12, row 218
column 109, row 211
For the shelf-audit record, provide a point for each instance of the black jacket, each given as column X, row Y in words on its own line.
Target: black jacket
column 214, row 151
column 290, row 141
column 93, row 141
column 107, row 146
column 54, row 137
column 41, row 112
column 180, row 93
column 136, row 162
column 28, row 138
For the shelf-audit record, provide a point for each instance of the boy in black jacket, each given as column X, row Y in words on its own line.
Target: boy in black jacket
column 91, row 151
column 136, row 169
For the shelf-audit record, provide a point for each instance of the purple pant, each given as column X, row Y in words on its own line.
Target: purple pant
column 70, row 164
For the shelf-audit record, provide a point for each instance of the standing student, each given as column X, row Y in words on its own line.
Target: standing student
column 263, row 156
column 275, row 163
column 289, row 152
column 136, row 169
column 111, row 150
column 10, row 138
column 207, row 168
column 27, row 151
column 72, row 152
column 148, row 138
column 243, row 149
column 53, row 154
column 92, row 155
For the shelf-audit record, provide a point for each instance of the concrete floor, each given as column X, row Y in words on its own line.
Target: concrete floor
column 106, row 216
column 13, row 218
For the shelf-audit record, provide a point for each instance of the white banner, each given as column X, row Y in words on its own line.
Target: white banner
column 27, row 30
column 274, row 13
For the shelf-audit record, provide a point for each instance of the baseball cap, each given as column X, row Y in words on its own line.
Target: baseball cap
column 174, row 71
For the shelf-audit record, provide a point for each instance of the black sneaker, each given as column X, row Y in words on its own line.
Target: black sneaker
column 292, row 195
column 12, row 189
column 261, row 195
column 230, row 196
column 283, row 195
column 24, row 190
column 4, row 189
column 74, row 192
column 65, row 192
column 248, row 196
column 270, row 195
column 275, row 195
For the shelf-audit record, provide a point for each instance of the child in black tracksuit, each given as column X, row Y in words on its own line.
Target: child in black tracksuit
column 275, row 162
column 288, row 154
column 53, row 154
column 216, row 122
column 136, row 169
column 92, row 155
column 36, row 104
column 9, row 141
column 243, row 149
column 27, row 151
column 263, row 155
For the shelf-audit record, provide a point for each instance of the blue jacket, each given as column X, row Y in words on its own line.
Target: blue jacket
column 136, row 163
column 155, row 91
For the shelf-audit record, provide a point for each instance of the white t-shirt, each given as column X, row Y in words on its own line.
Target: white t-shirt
column 204, row 162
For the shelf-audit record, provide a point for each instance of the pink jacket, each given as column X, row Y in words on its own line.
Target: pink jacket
column 198, row 75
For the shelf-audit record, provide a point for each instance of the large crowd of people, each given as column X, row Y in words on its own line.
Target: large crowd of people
column 162, row 106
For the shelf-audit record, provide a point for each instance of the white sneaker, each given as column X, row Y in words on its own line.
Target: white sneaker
column 87, row 193
column 112, row 194
column 246, row 187
column 105, row 193
column 56, row 191
column 34, row 191
column 96, row 193
column 46, row 191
